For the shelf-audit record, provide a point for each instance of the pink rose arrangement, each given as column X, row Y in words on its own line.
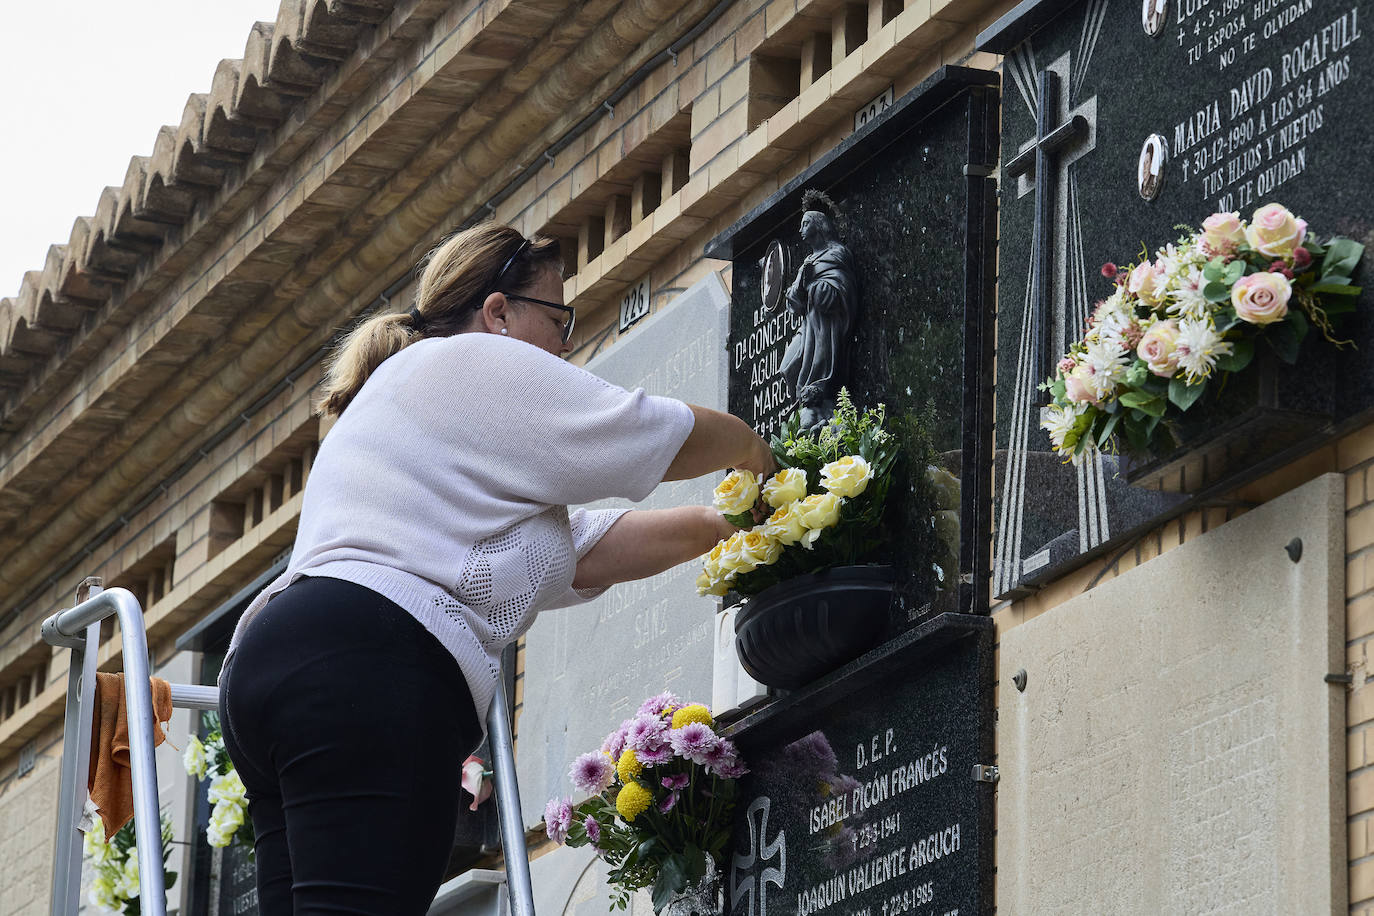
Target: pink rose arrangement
column 661, row 794
column 1193, row 313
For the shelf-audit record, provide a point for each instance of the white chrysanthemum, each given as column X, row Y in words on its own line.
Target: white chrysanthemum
column 1178, row 262
column 1114, row 308
column 1186, row 299
column 1106, row 363
column 1114, row 329
column 225, row 821
column 1058, row 421
column 1198, row 348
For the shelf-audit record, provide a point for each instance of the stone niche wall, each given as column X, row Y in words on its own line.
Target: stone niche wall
column 1177, row 747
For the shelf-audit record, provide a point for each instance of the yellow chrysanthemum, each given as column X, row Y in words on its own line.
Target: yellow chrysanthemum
column 694, row 712
column 632, row 800
column 628, row 767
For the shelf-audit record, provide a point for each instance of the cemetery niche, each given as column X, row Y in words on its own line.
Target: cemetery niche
column 1122, row 123
column 869, row 792
column 872, row 271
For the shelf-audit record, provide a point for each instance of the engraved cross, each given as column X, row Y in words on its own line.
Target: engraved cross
column 1061, row 137
column 747, row 876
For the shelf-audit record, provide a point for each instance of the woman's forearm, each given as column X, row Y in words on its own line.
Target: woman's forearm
column 645, row 542
column 719, row 440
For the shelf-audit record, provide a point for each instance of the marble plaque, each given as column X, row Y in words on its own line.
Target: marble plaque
column 1147, row 117
column 862, row 800
column 1176, row 749
column 914, row 207
column 588, row 667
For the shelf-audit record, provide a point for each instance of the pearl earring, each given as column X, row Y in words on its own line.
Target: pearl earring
column 504, row 331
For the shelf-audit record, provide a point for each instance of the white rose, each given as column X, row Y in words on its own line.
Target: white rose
column 737, row 493
column 732, row 563
column 227, row 787
column 194, row 758
column 712, row 587
column 758, row 548
column 1275, row 232
column 817, row 513
column 847, row 477
column 787, row 485
column 785, row 525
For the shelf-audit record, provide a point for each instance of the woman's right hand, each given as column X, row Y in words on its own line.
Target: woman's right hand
column 759, row 459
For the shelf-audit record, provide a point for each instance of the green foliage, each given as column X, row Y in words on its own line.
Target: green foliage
column 664, row 852
column 863, row 529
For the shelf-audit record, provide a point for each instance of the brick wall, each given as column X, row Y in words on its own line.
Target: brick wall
column 29, row 806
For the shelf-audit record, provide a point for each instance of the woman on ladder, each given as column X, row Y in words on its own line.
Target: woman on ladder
column 434, row 527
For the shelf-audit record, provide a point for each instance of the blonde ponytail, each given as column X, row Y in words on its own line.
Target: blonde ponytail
column 359, row 354
column 455, row 277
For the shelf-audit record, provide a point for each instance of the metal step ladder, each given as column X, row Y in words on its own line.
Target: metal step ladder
column 78, row 628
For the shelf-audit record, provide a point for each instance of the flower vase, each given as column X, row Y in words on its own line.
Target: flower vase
column 796, row 631
column 701, row 899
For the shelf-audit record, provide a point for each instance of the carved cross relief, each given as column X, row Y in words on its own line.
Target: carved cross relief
column 1062, row 137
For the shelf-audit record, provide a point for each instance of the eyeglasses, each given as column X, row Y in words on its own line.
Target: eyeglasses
column 572, row 312
column 500, row 275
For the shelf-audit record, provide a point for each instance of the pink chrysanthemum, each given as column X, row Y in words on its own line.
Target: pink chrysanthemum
column 732, row 768
column 693, row 741
column 678, row 781
column 668, row 802
column 557, row 819
column 646, row 732
column 593, row 828
column 656, row 755
column 614, row 745
column 663, row 703
column 592, row 773
column 723, row 760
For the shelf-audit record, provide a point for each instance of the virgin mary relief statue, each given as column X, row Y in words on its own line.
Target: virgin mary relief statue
column 825, row 296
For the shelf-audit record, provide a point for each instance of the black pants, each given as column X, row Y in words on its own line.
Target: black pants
column 348, row 723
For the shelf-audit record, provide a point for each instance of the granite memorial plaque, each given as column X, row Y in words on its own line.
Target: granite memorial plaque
column 1198, row 764
column 589, row 666
column 1120, row 123
column 912, row 211
column 864, row 798
column 238, row 883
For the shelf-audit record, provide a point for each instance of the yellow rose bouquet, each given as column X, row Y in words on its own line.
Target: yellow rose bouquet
column 661, row 792
column 825, row 505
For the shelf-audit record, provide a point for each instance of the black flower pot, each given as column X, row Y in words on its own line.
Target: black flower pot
column 801, row 629
column 1257, row 414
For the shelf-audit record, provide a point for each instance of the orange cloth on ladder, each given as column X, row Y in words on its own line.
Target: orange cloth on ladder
column 109, row 779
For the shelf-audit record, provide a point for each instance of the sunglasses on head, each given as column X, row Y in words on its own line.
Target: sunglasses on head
column 501, row 274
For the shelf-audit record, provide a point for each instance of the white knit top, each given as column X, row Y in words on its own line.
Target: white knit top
column 444, row 487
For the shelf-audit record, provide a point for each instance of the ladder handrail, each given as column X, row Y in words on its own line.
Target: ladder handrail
column 78, row 628
column 517, row 859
